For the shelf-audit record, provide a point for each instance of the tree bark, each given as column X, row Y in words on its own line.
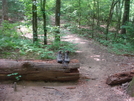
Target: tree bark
column 4, row 10
column 39, row 70
column 98, row 13
column 118, row 14
column 57, row 19
column 34, row 21
column 43, row 5
column 93, row 16
column 125, row 15
column 79, row 13
column 120, row 78
column 110, row 17
column 130, row 89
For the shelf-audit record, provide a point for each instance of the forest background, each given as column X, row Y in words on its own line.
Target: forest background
column 27, row 30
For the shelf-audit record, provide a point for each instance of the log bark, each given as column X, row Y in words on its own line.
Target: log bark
column 120, row 78
column 39, row 70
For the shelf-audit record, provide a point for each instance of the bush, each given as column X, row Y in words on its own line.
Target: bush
column 13, row 45
column 130, row 32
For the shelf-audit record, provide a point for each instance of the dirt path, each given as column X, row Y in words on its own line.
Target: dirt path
column 96, row 65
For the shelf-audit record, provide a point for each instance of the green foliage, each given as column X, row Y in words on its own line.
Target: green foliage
column 8, row 35
column 77, row 12
column 129, row 36
column 123, row 44
column 17, row 76
column 9, row 29
column 82, row 11
column 118, row 45
column 40, row 50
column 72, row 27
column 64, row 46
column 15, row 9
column 120, row 48
column 14, row 44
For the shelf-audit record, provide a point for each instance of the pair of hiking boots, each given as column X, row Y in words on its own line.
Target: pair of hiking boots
column 63, row 58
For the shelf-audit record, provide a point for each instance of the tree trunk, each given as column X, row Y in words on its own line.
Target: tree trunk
column 130, row 89
column 4, row 10
column 110, row 17
column 39, row 70
column 93, row 23
column 118, row 14
column 43, row 5
column 34, row 21
column 125, row 15
column 98, row 13
column 79, row 14
column 57, row 19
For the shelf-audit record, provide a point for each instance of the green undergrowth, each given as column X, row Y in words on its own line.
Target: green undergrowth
column 82, row 32
column 120, row 48
column 116, row 43
column 15, row 46
column 120, row 43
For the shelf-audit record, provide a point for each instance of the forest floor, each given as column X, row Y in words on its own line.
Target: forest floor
column 96, row 65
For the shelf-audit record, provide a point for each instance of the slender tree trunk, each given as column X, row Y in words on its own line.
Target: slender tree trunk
column 34, row 21
column 57, row 20
column 125, row 15
column 118, row 13
column 89, row 17
column 93, row 24
column 110, row 17
column 43, row 4
column 98, row 13
column 79, row 13
column 4, row 10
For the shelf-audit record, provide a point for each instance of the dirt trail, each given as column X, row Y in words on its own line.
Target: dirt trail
column 96, row 65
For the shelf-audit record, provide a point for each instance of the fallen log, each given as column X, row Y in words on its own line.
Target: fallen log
column 39, row 70
column 120, row 78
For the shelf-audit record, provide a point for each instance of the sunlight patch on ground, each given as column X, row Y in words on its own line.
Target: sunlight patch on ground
column 28, row 35
column 26, row 32
column 97, row 58
column 78, row 51
column 71, row 38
